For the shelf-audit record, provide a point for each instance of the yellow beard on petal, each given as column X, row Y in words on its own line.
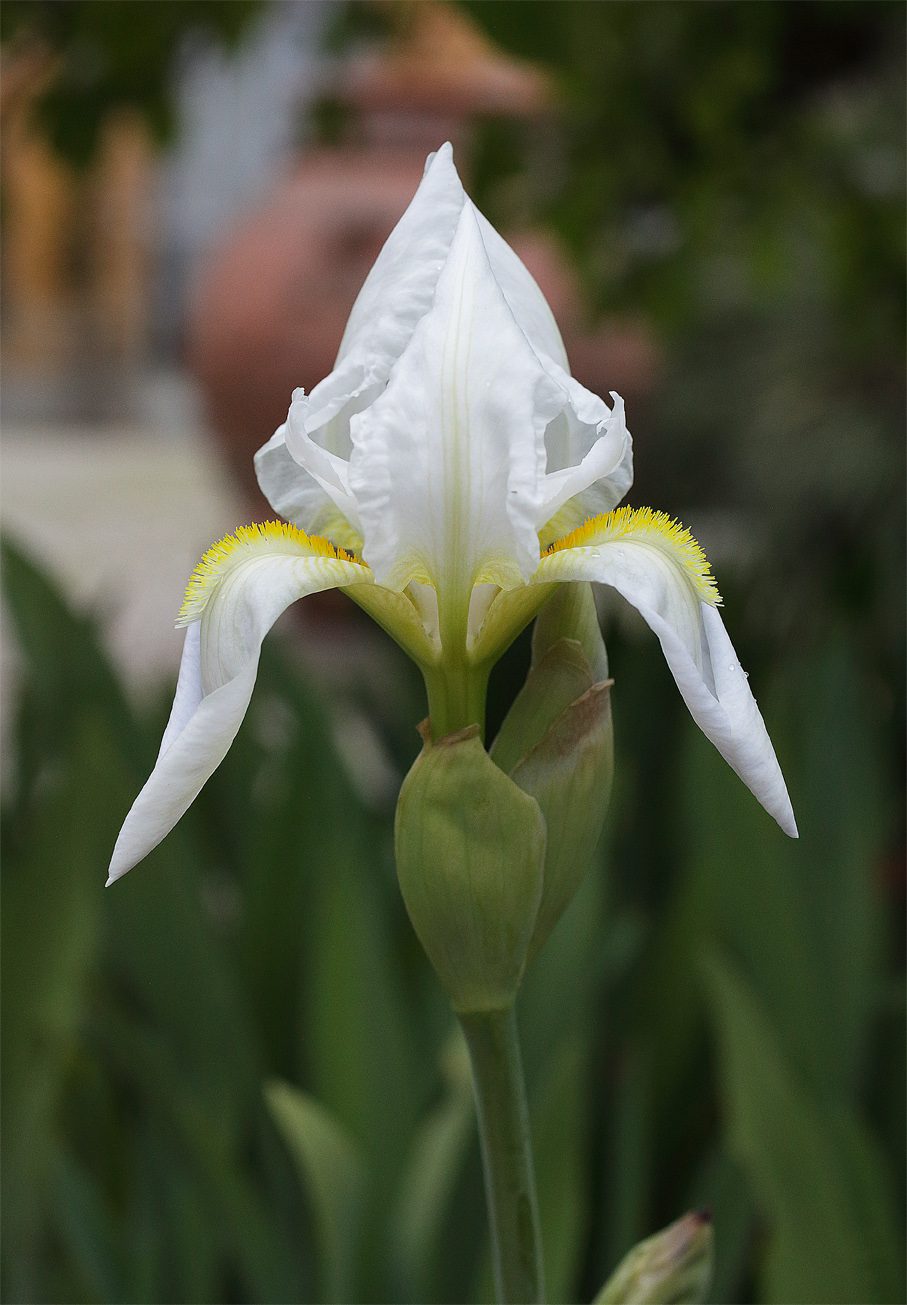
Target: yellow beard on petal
column 643, row 525
column 250, row 541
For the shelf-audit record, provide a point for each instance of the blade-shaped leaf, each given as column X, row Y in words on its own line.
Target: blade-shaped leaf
column 52, row 900
column 436, row 1158
column 816, row 1175
column 332, row 1174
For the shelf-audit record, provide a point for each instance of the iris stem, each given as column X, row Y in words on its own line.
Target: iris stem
column 497, row 1075
column 456, row 697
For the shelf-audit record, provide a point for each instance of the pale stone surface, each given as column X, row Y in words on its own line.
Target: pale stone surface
column 119, row 517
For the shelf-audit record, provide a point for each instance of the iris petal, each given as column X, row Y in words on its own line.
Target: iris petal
column 658, row 569
column 241, row 590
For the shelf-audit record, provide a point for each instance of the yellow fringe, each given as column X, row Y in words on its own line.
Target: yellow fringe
column 646, row 525
column 250, row 540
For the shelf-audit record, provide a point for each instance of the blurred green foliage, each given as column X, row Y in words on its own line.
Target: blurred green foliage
column 233, row 1077
column 105, row 56
column 730, row 1045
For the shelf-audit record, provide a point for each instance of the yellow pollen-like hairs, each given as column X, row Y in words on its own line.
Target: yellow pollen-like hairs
column 643, row 525
column 246, row 542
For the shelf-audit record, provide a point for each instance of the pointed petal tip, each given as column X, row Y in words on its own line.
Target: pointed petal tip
column 782, row 808
column 443, row 154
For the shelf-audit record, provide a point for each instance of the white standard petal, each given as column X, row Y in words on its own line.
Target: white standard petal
column 526, row 301
column 591, row 445
column 297, row 496
column 329, row 470
column 236, row 595
column 399, row 291
column 447, row 463
column 661, row 570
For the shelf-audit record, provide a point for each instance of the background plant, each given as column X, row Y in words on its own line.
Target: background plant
column 719, row 1019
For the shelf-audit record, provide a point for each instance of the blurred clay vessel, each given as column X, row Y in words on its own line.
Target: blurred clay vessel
column 271, row 302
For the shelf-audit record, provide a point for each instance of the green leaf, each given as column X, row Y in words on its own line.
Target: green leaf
column 59, row 688
column 826, row 723
column 559, row 1130
column 156, row 1075
column 817, row 1177
column 332, row 1173
column 358, row 1035
column 721, row 1187
column 52, row 899
column 87, row 1230
column 434, row 1165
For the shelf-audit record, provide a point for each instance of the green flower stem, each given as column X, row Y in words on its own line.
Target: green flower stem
column 497, row 1074
column 456, row 697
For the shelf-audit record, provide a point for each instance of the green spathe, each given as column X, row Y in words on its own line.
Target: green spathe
column 672, row 1268
column 470, row 850
column 569, row 774
column 571, row 614
column 557, row 744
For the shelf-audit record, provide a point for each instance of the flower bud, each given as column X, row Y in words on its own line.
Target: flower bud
column 569, row 774
column 559, row 678
column 672, row 1268
column 470, row 850
column 571, row 614
column 557, row 745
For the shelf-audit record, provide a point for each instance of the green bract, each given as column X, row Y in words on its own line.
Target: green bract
column 491, row 849
column 672, row 1268
column 470, row 855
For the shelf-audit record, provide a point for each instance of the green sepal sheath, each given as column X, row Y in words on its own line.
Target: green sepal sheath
column 470, row 850
column 560, row 677
column 672, row 1268
column 569, row 775
column 557, row 745
column 571, row 614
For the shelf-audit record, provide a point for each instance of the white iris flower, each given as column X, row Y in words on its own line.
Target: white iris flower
column 448, row 473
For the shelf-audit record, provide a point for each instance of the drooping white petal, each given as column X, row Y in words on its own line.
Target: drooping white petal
column 447, row 463
column 659, row 569
column 189, row 691
column 237, row 594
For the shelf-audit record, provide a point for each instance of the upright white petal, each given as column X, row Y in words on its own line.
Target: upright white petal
column 298, row 497
column 588, row 459
column 399, row 291
column 399, row 288
column 237, row 595
column 527, row 303
column 595, row 460
column 447, row 463
column 661, row 571
column 329, row 470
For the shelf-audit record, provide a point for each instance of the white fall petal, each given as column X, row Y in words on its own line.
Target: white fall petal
column 243, row 586
column 662, row 572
